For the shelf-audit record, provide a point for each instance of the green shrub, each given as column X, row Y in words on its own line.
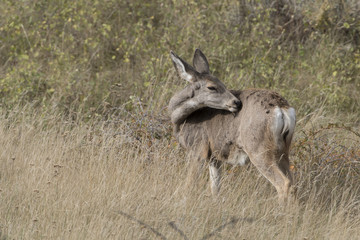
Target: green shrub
column 91, row 57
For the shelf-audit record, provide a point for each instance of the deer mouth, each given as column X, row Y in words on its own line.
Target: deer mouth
column 235, row 106
column 232, row 109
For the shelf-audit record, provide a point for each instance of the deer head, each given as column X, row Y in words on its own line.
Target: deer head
column 207, row 90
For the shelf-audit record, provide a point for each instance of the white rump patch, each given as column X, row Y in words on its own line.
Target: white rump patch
column 181, row 69
column 278, row 121
column 289, row 119
column 292, row 114
column 284, row 123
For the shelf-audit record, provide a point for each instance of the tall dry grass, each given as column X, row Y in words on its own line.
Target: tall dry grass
column 84, row 153
column 114, row 179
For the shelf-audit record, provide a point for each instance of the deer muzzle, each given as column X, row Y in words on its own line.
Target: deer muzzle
column 234, row 105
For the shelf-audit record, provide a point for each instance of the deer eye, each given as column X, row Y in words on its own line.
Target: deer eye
column 212, row 88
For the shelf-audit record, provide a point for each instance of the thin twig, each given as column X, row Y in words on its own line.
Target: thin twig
column 172, row 224
column 207, row 236
column 26, row 36
column 157, row 233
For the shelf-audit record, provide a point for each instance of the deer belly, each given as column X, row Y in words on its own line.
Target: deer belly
column 237, row 157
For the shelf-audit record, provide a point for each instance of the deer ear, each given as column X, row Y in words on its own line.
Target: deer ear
column 184, row 69
column 200, row 62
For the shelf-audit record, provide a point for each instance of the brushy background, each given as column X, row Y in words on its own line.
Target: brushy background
column 85, row 141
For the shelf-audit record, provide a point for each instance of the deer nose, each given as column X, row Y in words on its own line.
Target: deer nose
column 238, row 104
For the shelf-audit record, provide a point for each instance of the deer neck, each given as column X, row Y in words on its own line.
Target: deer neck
column 183, row 105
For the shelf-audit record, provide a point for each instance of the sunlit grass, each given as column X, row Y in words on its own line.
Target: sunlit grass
column 68, row 180
column 86, row 147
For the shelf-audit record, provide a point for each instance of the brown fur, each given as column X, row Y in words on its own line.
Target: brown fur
column 256, row 123
column 216, row 127
column 217, row 134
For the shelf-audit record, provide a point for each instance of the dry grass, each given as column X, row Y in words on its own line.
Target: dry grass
column 66, row 180
column 66, row 174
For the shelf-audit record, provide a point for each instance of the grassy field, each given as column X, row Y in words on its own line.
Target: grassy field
column 86, row 146
column 104, row 180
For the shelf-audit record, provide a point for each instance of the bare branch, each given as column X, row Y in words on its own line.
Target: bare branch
column 173, row 226
column 156, row 232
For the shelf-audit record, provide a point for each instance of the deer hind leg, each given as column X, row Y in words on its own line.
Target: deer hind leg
column 284, row 166
column 276, row 169
column 215, row 176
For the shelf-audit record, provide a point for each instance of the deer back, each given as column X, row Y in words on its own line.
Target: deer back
column 223, row 132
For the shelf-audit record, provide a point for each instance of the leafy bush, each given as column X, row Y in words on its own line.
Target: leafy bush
column 91, row 57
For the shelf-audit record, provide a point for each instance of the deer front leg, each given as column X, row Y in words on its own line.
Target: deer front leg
column 215, row 176
column 198, row 158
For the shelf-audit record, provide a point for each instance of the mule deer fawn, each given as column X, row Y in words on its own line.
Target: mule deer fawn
column 218, row 125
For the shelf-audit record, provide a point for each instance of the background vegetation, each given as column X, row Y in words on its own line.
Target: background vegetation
column 85, row 141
